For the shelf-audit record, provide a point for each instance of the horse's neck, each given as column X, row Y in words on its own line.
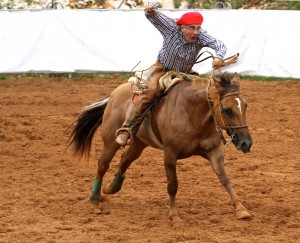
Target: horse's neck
column 212, row 95
column 193, row 93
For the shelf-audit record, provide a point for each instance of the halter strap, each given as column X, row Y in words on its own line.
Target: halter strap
column 230, row 94
column 226, row 123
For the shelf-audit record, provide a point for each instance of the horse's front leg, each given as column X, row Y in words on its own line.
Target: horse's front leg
column 170, row 161
column 217, row 162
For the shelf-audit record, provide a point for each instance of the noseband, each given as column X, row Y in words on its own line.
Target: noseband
column 227, row 125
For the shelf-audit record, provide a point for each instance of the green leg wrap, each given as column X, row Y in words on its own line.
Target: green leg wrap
column 95, row 194
column 116, row 184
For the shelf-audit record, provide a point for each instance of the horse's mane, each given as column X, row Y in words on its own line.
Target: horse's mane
column 225, row 82
column 225, row 79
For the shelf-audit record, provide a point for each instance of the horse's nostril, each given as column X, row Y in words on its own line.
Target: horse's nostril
column 245, row 146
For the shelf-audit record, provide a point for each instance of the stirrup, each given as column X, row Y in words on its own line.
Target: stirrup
column 124, row 130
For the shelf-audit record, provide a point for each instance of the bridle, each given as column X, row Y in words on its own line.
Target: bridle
column 227, row 125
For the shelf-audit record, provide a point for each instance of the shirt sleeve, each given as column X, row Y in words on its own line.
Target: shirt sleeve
column 213, row 43
column 165, row 25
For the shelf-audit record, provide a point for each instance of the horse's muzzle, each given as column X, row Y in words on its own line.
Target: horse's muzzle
column 243, row 144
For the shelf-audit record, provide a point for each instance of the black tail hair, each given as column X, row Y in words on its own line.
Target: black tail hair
column 85, row 127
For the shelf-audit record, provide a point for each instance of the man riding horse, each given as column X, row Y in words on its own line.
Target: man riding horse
column 182, row 42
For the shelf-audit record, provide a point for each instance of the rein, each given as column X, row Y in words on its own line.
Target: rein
column 218, row 128
column 225, row 61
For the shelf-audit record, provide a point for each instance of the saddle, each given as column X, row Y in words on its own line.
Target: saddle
column 165, row 82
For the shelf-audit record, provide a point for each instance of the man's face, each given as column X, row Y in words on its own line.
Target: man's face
column 190, row 32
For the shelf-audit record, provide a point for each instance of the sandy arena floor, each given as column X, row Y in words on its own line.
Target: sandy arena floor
column 45, row 191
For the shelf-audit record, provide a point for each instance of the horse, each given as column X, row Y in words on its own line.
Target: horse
column 188, row 120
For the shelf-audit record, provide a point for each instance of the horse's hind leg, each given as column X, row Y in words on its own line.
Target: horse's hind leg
column 108, row 152
column 217, row 161
column 130, row 154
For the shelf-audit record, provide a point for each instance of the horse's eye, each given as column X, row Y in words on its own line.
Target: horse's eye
column 228, row 111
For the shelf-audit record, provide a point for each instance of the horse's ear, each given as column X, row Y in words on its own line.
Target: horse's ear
column 235, row 79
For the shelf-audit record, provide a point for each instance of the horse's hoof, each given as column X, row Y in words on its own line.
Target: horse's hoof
column 176, row 222
column 242, row 214
column 95, row 200
column 114, row 186
column 108, row 189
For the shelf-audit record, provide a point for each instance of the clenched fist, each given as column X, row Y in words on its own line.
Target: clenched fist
column 217, row 63
column 150, row 9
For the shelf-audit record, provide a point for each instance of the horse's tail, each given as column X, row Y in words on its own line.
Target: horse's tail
column 85, row 127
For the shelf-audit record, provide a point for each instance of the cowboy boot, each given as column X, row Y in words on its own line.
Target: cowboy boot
column 134, row 111
column 136, row 108
column 123, row 134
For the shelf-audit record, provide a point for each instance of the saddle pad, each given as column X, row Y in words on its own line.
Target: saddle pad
column 173, row 77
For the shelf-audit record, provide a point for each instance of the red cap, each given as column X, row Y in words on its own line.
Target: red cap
column 190, row 18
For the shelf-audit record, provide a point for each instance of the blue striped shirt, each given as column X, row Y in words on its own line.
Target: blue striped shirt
column 176, row 53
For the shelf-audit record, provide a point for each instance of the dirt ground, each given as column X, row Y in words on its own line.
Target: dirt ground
column 45, row 191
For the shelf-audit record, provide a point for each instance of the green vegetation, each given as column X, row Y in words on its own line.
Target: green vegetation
column 269, row 79
column 294, row 5
column 122, row 76
column 237, row 4
column 176, row 3
column 201, row 4
column 64, row 75
column 29, row 2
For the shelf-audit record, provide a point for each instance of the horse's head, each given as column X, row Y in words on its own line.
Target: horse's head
column 230, row 110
